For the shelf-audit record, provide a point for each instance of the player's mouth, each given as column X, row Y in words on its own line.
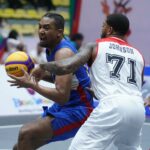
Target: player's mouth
column 42, row 39
column 43, row 42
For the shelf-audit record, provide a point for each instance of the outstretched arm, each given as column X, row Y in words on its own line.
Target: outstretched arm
column 71, row 64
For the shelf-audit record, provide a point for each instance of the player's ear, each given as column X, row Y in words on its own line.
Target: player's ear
column 60, row 33
column 110, row 30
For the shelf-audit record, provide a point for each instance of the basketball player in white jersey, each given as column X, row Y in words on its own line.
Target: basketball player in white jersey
column 116, row 74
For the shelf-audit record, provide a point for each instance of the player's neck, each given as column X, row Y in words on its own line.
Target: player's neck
column 55, row 44
column 117, row 36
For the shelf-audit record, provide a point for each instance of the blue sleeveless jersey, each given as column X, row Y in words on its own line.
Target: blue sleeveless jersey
column 79, row 95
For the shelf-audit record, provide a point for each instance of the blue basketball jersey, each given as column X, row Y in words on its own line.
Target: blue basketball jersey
column 79, row 95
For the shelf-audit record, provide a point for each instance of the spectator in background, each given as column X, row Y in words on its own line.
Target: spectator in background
column 77, row 39
column 12, row 44
column 47, row 4
column 15, row 4
column 2, row 38
column 1, row 22
column 3, row 31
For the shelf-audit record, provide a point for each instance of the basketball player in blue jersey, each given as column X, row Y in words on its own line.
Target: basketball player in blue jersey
column 73, row 103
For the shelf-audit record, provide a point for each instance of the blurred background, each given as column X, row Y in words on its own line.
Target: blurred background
column 81, row 16
column 83, row 20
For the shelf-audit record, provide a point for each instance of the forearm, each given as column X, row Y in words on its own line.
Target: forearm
column 61, row 67
column 48, row 77
column 50, row 93
column 71, row 64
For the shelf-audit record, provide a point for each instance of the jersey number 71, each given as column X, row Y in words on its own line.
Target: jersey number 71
column 119, row 62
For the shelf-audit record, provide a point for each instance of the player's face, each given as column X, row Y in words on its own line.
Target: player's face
column 47, row 32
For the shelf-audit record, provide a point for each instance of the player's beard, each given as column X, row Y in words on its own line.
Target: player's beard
column 44, row 44
column 103, row 35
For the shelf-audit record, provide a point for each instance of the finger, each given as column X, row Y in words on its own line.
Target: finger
column 15, row 84
column 19, row 87
column 11, row 81
column 31, row 74
column 24, row 71
column 13, row 77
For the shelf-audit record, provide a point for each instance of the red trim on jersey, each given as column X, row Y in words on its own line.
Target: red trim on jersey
column 79, row 123
column 83, row 96
column 113, row 39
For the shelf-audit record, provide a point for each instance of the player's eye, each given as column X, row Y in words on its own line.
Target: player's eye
column 46, row 27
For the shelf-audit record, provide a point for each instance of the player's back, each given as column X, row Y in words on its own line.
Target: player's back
column 117, row 68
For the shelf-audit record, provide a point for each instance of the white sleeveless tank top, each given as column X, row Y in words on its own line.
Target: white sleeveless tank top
column 117, row 68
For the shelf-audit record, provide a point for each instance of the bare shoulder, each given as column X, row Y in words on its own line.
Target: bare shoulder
column 63, row 53
column 93, row 54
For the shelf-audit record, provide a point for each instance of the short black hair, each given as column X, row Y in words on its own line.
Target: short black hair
column 119, row 22
column 59, row 19
column 76, row 36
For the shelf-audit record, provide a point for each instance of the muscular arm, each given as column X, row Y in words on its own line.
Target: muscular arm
column 71, row 64
column 61, row 92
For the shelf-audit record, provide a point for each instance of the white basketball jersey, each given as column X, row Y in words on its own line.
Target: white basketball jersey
column 117, row 68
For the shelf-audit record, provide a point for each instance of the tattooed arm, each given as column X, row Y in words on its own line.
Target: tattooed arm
column 71, row 64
